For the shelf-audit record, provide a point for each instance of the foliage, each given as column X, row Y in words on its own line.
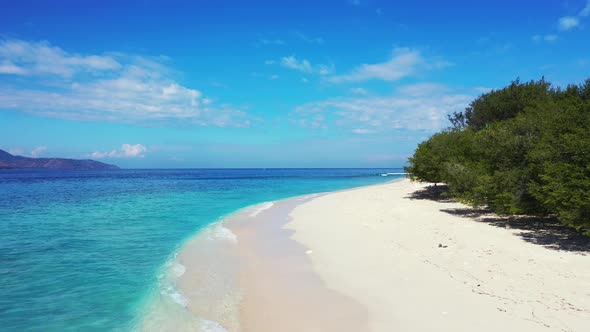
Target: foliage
column 503, row 104
column 524, row 149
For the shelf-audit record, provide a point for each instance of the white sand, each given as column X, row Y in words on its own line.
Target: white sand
column 381, row 249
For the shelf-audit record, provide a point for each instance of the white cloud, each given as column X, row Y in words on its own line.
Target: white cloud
column 292, row 63
column 404, row 109
column 126, row 151
column 37, row 151
column 100, row 155
column 548, row 38
column 403, row 62
column 309, row 120
column 324, row 70
column 307, row 39
column 7, row 67
column 362, row 131
column 35, row 58
column 568, row 22
column 132, row 151
column 358, row 91
column 120, row 88
column 302, row 65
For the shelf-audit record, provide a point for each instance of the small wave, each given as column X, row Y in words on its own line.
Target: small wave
column 218, row 232
column 178, row 270
column 175, row 296
column 260, row 207
column 390, row 174
column 167, row 281
column 306, row 197
column 211, row 326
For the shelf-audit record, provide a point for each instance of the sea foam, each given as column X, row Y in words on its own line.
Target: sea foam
column 167, row 281
column 211, row 326
column 217, row 231
column 306, row 197
column 175, row 296
column 178, row 269
column 255, row 210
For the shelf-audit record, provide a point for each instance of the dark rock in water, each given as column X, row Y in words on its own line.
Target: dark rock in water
column 9, row 161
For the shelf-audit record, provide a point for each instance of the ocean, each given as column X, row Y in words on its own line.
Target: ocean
column 88, row 250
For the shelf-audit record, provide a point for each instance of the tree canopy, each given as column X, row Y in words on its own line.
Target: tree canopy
column 523, row 149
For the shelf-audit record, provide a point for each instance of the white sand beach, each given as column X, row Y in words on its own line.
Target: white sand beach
column 390, row 257
column 421, row 265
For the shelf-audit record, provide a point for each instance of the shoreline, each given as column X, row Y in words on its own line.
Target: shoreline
column 206, row 294
column 282, row 291
column 381, row 259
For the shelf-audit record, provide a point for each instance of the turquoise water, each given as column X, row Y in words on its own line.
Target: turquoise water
column 81, row 250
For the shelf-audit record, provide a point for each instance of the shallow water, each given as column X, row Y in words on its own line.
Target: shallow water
column 90, row 250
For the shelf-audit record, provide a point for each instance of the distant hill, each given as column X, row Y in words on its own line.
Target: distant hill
column 9, row 161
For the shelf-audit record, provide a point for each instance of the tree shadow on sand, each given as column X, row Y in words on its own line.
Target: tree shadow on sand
column 439, row 193
column 543, row 231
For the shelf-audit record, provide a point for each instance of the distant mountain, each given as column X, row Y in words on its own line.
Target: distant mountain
column 9, row 161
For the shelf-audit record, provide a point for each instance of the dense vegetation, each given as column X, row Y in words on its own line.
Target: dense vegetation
column 524, row 149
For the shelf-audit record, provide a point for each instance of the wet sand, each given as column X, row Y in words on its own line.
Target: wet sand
column 282, row 291
column 262, row 280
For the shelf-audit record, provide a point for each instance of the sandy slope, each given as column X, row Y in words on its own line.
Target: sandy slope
column 379, row 247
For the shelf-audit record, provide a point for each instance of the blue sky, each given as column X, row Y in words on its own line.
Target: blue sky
column 350, row 83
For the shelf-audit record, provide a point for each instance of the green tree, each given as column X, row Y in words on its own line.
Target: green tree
column 503, row 104
column 523, row 149
column 562, row 157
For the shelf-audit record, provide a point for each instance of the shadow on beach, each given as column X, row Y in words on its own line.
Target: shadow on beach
column 439, row 193
column 544, row 231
